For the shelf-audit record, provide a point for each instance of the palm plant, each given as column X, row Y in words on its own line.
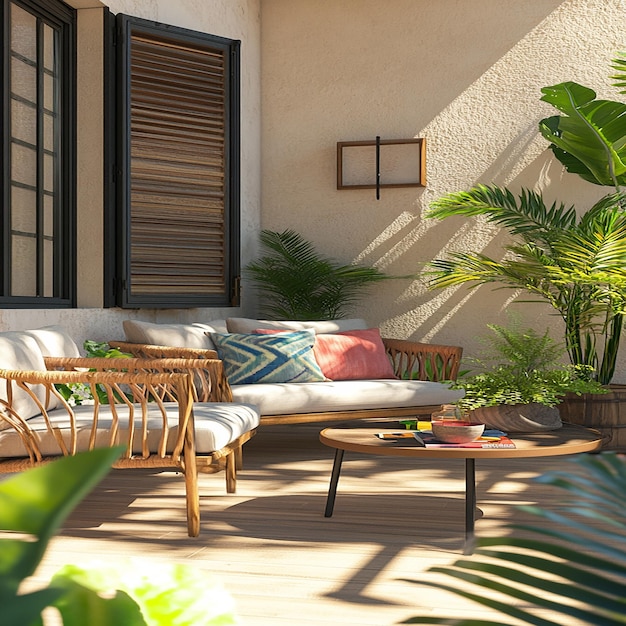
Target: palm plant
column 575, row 264
column 578, row 265
column 297, row 283
column 554, row 579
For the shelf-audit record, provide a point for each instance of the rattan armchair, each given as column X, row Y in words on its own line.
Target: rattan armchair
column 152, row 408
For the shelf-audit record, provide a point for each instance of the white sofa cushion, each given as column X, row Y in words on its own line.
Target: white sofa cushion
column 216, row 425
column 343, row 395
column 55, row 341
column 175, row 335
column 20, row 351
column 248, row 325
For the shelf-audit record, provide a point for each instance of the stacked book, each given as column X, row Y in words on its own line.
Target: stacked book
column 489, row 439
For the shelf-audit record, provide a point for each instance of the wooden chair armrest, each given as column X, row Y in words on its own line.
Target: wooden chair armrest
column 208, row 378
column 142, row 350
column 118, row 387
column 423, row 361
column 84, row 373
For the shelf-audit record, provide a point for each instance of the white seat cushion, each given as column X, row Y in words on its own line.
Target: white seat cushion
column 343, row 395
column 216, row 425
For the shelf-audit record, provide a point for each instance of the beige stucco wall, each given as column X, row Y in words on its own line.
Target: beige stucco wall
column 235, row 19
column 465, row 74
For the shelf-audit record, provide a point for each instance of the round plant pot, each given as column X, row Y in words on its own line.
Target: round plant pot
column 606, row 412
column 519, row 418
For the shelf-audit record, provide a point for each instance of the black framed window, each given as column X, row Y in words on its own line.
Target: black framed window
column 177, row 213
column 37, row 228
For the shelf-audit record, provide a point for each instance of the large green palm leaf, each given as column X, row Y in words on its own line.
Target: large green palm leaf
column 526, row 215
column 552, row 578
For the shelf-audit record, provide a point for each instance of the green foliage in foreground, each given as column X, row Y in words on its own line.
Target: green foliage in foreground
column 575, row 570
column 33, row 506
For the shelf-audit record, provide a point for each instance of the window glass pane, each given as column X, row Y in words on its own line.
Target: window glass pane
column 48, row 132
column 48, row 172
column 24, row 165
column 23, row 266
column 49, row 37
column 23, row 122
column 48, row 216
column 23, row 33
column 23, row 210
column 23, row 80
column 48, row 92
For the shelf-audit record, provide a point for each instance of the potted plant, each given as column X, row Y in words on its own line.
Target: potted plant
column 298, row 283
column 519, row 380
column 576, row 264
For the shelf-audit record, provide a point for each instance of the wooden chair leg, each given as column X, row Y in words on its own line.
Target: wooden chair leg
column 191, row 485
column 239, row 458
column 231, row 473
column 193, row 501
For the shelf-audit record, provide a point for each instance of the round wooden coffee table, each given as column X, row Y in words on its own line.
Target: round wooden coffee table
column 570, row 439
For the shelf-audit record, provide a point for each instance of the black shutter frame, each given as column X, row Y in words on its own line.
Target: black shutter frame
column 122, row 281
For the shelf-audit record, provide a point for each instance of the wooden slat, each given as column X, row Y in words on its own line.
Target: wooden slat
column 177, row 168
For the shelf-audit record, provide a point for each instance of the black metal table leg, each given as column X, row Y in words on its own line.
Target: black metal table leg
column 470, row 497
column 334, row 479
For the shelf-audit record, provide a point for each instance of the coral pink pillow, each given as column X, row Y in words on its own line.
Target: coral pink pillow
column 353, row 355
column 350, row 354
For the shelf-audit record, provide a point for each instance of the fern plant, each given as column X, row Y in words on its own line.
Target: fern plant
column 521, row 367
column 297, row 283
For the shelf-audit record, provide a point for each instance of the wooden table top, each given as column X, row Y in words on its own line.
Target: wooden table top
column 570, row 439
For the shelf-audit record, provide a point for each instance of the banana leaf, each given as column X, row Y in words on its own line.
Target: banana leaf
column 589, row 139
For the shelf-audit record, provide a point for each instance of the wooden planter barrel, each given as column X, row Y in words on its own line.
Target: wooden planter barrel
column 605, row 412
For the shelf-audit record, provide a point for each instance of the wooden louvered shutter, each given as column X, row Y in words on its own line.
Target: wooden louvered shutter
column 180, row 193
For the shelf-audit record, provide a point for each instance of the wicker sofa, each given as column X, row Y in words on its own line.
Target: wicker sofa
column 151, row 410
column 416, row 390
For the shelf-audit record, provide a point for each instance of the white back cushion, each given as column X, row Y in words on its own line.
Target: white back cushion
column 175, row 335
column 20, row 351
column 248, row 325
column 54, row 341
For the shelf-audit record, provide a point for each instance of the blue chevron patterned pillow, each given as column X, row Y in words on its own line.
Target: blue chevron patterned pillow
column 280, row 358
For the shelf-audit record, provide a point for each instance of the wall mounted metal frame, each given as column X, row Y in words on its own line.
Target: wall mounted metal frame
column 387, row 163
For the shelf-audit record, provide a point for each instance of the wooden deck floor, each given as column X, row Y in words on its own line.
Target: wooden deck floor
column 284, row 563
